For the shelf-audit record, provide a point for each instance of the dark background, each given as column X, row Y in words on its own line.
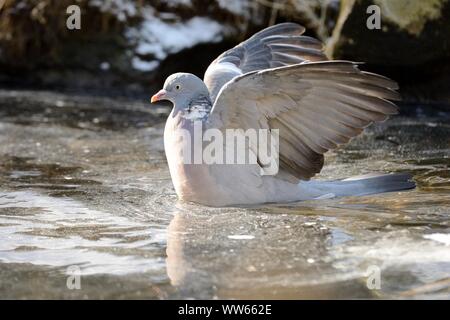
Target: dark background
column 38, row 51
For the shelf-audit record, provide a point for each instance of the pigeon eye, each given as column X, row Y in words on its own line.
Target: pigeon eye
column 177, row 87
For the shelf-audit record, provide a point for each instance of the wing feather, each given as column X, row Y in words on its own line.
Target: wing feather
column 276, row 46
column 316, row 107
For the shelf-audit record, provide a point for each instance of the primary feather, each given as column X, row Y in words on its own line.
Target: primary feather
column 276, row 46
column 316, row 107
column 277, row 79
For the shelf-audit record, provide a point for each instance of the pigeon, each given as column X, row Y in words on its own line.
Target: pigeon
column 279, row 82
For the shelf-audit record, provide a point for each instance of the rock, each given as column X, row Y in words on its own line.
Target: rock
column 133, row 39
column 412, row 45
column 131, row 45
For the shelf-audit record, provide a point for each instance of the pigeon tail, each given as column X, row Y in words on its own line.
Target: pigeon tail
column 362, row 185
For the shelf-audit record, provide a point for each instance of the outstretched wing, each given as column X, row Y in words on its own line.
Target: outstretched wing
column 276, row 46
column 316, row 107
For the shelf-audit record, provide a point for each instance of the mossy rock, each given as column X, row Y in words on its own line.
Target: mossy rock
column 412, row 46
column 406, row 37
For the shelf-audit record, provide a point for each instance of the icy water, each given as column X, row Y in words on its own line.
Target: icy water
column 84, row 186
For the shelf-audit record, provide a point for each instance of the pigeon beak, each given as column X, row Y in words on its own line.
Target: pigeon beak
column 161, row 95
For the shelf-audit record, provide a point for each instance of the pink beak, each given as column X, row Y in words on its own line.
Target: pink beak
column 161, row 95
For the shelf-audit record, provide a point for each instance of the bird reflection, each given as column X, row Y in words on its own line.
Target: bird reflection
column 251, row 253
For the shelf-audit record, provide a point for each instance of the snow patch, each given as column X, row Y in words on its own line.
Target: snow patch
column 239, row 7
column 105, row 66
column 175, row 3
column 159, row 38
column 122, row 9
column 142, row 65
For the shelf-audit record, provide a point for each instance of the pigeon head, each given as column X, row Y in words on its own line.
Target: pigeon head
column 181, row 89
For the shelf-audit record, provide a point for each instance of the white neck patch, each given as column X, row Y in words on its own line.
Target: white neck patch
column 195, row 113
column 198, row 109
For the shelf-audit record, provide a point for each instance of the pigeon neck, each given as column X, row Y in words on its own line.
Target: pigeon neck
column 197, row 109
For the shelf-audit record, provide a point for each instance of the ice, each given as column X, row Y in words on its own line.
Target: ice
column 241, row 237
column 439, row 237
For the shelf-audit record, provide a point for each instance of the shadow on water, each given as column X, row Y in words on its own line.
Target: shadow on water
column 83, row 182
column 83, row 112
column 22, row 173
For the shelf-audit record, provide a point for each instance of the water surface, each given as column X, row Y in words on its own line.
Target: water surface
column 84, row 182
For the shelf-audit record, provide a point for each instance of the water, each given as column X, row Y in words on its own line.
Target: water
column 84, row 183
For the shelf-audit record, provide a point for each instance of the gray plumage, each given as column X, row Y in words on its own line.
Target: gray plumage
column 316, row 106
column 278, row 79
column 276, row 46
